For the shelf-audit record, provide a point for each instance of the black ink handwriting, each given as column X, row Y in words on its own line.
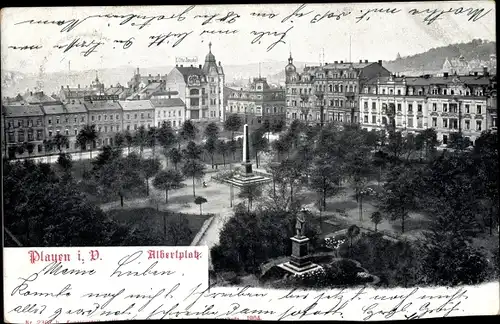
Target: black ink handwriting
column 297, row 13
column 126, row 43
column 435, row 14
column 229, row 18
column 260, row 34
column 329, row 15
column 366, row 14
column 218, row 32
column 26, row 47
column 269, row 15
column 159, row 39
column 77, row 42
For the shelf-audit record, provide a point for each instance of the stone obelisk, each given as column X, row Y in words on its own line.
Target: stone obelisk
column 246, row 162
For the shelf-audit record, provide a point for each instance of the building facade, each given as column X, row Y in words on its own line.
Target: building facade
column 137, row 113
column 167, row 109
column 447, row 104
column 71, row 95
column 200, row 88
column 22, row 124
column 328, row 92
column 257, row 103
column 106, row 114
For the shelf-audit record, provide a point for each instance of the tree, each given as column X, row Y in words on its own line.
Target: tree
column 352, row 232
column 81, row 141
column 29, row 147
column 48, row 145
column 232, row 124
column 222, row 148
column 259, row 143
column 89, row 135
column 400, row 193
column 60, row 142
column 20, row 149
column 166, row 135
column 175, row 156
column 427, row 141
column 210, row 147
column 120, row 176
column 233, row 147
column 200, row 201
column 192, row 151
column 152, row 139
column 195, row 169
column 281, row 146
column 325, row 178
column 250, row 192
column 177, row 230
column 278, row 127
column 187, row 132
column 104, row 157
column 357, row 166
column 64, row 161
column 141, row 139
column 168, row 180
column 458, row 142
column 129, row 140
column 376, row 219
column 150, row 167
column 119, row 141
column 212, row 131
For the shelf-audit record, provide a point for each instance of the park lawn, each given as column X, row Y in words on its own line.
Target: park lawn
column 152, row 218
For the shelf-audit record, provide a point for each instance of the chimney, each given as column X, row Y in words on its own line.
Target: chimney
column 158, row 74
column 366, row 61
column 182, row 65
column 78, row 86
column 380, row 62
column 31, row 93
column 199, row 66
column 67, row 86
column 220, row 63
column 177, row 65
column 360, row 61
column 149, row 74
column 445, row 74
column 341, row 62
column 485, row 70
column 475, row 73
column 137, row 71
column 62, row 87
column 336, row 62
column 191, row 65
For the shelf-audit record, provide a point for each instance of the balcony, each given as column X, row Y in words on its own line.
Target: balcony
column 350, row 94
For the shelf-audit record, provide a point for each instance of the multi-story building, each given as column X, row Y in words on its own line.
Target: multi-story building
column 56, row 121
column 447, row 104
column 137, row 113
column 76, row 119
column 492, row 106
column 168, row 109
column 200, row 88
column 257, row 103
column 106, row 114
column 22, row 124
column 119, row 91
column 328, row 92
column 71, row 95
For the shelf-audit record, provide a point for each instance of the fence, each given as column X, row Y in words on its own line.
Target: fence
column 203, row 230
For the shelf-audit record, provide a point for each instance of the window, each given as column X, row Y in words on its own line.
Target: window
column 467, row 109
column 445, row 107
column 117, row 117
column 374, row 119
column 454, row 123
column 410, row 108
column 366, row 119
column 128, row 127
column 419, row 108
column 453, row 108
column 399, row 91
column 135, row 126
column 105, row 117
column 410, row 122
column 434, row 107
column 142, row 115
column 99, row 117
column 100, row 129
column 111, row 117
column 92, row 118
column 105, row 129
column 76, row 120
column 478, row 126
column 467, row 124
column 39, row 148
column 399, row 107
column 117, row 128
column 366, row 105
column 445, row 123
column 30, row 135
column 50, row 133
column 39, row 135
column 434, row 122
column 478, row 110
column 83, row 119
column 135, row 116
column 445, row 139
column 57, row 120
column 50, row 120
column 12, row 137
column 128, row 116
column 66, row 132
column 374, row 106
column 445, row 92
column 76, row 131
column 419, row 122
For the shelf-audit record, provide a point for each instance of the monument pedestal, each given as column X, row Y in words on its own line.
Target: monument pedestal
column 300, row 262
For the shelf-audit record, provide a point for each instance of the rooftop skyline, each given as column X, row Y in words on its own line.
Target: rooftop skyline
column 368, row 38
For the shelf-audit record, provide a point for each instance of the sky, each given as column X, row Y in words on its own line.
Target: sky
column 391, row 29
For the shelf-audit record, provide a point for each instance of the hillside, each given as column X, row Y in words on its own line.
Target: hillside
column 433, row 59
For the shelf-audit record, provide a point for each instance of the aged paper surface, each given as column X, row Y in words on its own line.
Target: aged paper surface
column 259, row 162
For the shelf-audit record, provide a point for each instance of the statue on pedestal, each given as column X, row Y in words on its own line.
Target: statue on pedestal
column 300, row 225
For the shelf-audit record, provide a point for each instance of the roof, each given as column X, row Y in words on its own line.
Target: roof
column 430, row 80
column 75, row 108
column 136, row 104
column 22, row 110
column 38, row 97
column 187, row 71
column 102, row 105
column 165, row 93
column 53, row 109
column 114, row 90
column 171, row 102
column 347, row 65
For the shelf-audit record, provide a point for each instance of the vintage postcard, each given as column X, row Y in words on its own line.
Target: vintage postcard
column 255, row 162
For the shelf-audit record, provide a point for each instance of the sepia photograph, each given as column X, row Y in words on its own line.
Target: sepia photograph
column 308, row 146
